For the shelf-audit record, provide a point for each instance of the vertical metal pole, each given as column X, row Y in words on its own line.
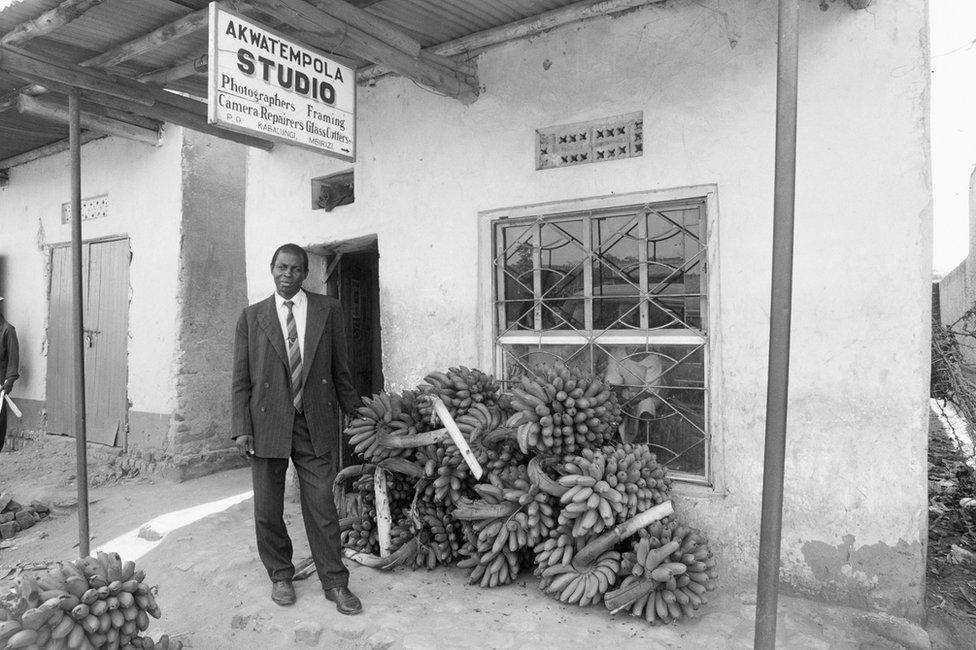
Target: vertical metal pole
column 78, row 324
column 779, row 325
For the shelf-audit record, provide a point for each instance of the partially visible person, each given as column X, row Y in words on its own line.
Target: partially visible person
column 9, row 368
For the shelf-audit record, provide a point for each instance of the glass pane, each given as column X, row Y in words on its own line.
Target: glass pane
column 562, row 314
column 562, row 255
column 675, row 255
column 517, row 315
column 616, row 251
column 662, row 394
column 513, row 256
column 616, row 313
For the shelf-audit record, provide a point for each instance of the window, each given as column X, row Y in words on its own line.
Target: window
column 619, row 292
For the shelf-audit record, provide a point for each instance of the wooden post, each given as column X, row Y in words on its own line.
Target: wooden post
column 78, row 325
column 383, row 520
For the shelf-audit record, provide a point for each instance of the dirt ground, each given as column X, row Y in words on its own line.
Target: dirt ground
column 214, row 593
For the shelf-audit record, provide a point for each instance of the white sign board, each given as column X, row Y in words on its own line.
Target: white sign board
column 269, row 86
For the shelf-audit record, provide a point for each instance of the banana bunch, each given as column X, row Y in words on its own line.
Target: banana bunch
column 362, row 535
column 590, row 504
column 558, row 548
column 641, row 477
column 93, row 602
column 452, row 477
column 489, row 569
column 563, row 410
column 666, row 575
column 581, row 587
column 460, row 388
column 438, row 535
column 383, row 412
column 533, row 516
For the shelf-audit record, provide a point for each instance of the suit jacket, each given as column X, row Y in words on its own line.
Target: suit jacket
column 261, row 389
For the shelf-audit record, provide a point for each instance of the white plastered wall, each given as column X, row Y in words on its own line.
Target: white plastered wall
column 143, row 185
column 703, row 73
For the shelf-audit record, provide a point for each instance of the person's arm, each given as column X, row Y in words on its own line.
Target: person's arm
column 241, row 429
column 12, row 371
column 349, row 398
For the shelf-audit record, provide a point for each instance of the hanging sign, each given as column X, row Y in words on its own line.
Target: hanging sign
column 264, row 84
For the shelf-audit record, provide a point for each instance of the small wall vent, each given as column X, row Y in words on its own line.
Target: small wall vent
column 94, row 208
column 608, row 138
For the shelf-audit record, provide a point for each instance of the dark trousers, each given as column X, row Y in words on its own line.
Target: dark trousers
column 315, row 477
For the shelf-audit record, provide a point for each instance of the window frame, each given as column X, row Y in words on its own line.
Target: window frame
column 491, row 339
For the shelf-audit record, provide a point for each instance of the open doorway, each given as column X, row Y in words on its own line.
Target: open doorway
column 349, row 271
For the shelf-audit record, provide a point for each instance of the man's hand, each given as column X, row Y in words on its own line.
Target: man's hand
column 7, row 386
column 245, row 445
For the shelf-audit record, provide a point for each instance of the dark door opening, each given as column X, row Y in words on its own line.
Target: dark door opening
column 349, row 271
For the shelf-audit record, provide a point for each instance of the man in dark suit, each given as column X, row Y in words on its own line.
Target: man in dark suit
column 290, row 366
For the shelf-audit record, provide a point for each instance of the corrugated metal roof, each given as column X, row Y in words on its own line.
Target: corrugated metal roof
column 114, row 22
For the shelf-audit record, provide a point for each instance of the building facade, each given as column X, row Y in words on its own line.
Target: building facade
column 607, row 200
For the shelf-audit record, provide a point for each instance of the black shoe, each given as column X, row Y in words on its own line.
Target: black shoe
column 283, row 592
column 346, row 601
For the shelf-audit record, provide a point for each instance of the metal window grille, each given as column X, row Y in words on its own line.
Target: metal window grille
column 620, row 293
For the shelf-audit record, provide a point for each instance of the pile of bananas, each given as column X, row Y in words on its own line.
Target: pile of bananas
column 564, row 410
column 666, row 575
column 461, row 388
column 94, row 602
column 559, row 492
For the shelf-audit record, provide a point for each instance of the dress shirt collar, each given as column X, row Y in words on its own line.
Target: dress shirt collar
column 298, row 299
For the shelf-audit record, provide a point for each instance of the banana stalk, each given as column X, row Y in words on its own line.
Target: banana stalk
column 608, row 540
column 539, row 477
column 411, row 441
column 392, row 560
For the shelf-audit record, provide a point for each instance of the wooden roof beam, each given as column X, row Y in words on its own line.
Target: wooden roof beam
column 46, row 150
column 54, row 112
column 121, row 94
column 182, row 70
column 153, row 40
column 304, row 16
column 525, row 28
column 48, row 21
column 381, row 29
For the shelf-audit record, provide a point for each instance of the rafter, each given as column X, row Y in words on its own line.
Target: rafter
column 120, row 93
column 158, row 37
column 304, row 16
column 46, row 150
column 531, row 26
column 52, row 111
column 48, row 21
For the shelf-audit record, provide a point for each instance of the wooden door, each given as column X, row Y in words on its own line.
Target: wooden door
column 105, row 278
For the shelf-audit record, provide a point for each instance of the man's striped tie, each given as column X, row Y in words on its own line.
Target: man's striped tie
column 294, row 358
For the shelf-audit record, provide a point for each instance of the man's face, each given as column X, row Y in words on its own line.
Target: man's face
column 288, row 272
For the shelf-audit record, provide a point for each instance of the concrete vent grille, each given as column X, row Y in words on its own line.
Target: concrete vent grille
column 608, row 138
column 94, row 208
